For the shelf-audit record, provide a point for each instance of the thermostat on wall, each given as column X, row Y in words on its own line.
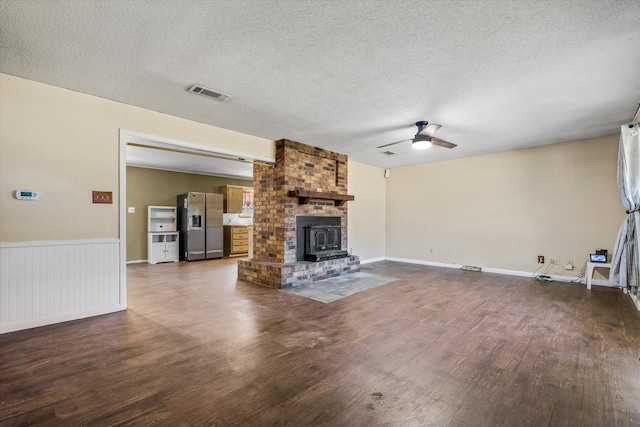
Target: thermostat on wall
column 26, row 195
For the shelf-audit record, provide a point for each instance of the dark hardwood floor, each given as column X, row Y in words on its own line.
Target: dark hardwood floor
column 439, row 347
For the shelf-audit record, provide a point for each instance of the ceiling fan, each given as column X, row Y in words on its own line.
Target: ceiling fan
column 424, row 138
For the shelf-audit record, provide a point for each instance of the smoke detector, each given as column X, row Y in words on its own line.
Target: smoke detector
column 209, row 93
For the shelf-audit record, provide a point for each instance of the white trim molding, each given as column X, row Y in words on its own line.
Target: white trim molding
column 370, row 260
column 40, row 243
column 162, row 142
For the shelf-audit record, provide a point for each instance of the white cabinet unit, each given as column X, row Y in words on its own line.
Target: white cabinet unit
column 162, row 218
column 162, row 247
column 162, row 243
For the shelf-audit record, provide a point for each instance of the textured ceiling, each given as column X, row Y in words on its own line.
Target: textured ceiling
column 348, row 75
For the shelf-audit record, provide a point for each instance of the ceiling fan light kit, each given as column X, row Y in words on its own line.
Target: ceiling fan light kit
column 424, row 138
column 421, row 144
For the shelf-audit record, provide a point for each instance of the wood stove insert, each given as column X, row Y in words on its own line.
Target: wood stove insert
column 319, row 238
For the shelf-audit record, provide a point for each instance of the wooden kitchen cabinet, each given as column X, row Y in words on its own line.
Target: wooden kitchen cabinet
column 236, row 240
column 232, row 198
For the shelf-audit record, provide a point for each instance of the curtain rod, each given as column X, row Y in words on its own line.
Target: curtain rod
column 199, row 153
column 636, row 118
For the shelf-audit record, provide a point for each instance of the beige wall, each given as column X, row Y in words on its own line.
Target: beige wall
column 367, row 212
column 150, row 187
column 502, row 210
column 63, row 144
column 497, row 211
column 66, row 144
column 166, row 126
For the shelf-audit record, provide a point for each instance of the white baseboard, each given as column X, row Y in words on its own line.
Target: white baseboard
column 137, row 261
column 66, row 317
column 370, row 260
column 422, row 262
column 557, row 278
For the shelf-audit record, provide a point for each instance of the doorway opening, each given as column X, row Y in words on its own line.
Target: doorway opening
column 154, row 171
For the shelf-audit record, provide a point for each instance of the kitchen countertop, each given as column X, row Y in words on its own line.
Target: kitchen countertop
column 236, row 219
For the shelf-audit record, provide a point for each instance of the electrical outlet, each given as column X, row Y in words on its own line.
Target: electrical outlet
column 570, row 262
column 554, row 261
column 540, row 259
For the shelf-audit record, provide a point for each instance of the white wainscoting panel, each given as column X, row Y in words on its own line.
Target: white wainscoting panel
column 55, row 281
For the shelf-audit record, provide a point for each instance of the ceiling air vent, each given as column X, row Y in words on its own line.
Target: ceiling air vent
column 388, row 153
column 209, row 93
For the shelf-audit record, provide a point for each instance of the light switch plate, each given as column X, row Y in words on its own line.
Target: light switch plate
column 102, row 197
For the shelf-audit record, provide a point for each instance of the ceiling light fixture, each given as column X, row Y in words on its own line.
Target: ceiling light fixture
column 421, row 144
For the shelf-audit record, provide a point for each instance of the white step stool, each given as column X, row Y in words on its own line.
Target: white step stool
column 591, row 266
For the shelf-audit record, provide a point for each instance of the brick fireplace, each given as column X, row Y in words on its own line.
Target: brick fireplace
column 305, row 181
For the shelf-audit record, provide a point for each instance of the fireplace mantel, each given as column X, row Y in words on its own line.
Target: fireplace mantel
column 304, row 197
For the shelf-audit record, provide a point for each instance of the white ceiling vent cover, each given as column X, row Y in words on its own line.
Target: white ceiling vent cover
column 209, row 93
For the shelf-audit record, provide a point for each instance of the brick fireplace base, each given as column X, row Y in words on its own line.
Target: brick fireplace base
column 277, row 276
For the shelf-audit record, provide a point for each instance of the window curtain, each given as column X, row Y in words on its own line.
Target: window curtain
column 625, row 264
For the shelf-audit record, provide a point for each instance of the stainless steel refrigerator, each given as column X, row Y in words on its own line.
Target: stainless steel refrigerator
column 200, row 222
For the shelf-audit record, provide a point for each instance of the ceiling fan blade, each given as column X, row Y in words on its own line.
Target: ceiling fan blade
column 443, row 143
column 430, row 129
column 393, row 143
